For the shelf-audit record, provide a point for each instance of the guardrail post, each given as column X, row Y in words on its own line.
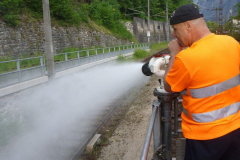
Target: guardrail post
column 19, row 70
column 88, row 53
column 108, row 49
column 78, row 55
column 103, row 50
column 41, row 62
column 96, row 51
column 114, row 49
column 66, row 58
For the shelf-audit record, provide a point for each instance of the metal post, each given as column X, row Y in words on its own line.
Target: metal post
column 79, row 63
column 41, row 62
column 159, row 27
column 167, row 26
column 66, row 60
column 48, row 38
column 155, row 108
column 148, row 34
column 96, row 51
column 157, row 129
column 19, row 70
column 88, row 53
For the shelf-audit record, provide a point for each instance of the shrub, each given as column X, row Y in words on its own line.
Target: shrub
column 11, row 19
column 11, row 9
column 140, row 53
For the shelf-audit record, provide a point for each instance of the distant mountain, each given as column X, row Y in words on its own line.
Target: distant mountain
column 209, row 7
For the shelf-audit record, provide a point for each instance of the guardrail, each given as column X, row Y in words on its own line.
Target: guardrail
column 68, row 60
column 20, row 72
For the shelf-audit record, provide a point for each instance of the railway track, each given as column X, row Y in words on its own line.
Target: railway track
column 102, row 119
column 106, row 114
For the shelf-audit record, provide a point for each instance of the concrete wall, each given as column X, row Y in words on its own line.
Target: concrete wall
column 28, row 38
column 140, row 29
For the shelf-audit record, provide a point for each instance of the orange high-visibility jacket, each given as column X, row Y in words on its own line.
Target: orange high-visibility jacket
column 207, row 74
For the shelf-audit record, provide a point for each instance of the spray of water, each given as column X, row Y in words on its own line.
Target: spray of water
column 54, row 116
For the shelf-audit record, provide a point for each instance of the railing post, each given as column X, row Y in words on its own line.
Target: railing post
column 41, row 62
column 19, row 70
column 108, row 49
column 78, row 55
column 66, row 58
column 88, row 53
column 96, row 51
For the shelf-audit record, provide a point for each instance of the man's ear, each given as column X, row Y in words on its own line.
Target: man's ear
column 188, row 26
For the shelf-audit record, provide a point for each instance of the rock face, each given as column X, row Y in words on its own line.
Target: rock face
column 28, row 38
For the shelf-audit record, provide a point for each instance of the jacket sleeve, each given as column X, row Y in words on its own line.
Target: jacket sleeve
column 178, row 77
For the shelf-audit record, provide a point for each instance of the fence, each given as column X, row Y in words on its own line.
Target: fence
column 20, row 70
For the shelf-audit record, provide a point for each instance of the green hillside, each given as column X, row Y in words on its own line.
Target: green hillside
column 107, row 13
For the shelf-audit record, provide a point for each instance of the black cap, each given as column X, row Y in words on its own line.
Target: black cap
column 185, row 13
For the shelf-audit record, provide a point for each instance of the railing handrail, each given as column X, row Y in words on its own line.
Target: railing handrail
column 100, row 48
column 21, row 59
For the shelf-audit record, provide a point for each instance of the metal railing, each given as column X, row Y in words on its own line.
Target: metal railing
column 77, row 58
column 19, row 72
column 161, row 126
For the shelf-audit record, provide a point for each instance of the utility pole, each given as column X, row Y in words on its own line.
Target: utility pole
column 219, row 19
column 148, row 32
column 167, row 26
column 48, row 38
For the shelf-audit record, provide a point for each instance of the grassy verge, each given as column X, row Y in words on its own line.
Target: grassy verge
column 140, row 54
column 157, row 47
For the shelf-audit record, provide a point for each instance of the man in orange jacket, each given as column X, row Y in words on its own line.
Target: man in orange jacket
column 207, row 75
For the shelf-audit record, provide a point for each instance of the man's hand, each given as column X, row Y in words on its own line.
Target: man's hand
column 174, row 47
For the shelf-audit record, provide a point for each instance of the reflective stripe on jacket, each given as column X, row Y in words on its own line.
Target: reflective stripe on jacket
column 211, row 91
